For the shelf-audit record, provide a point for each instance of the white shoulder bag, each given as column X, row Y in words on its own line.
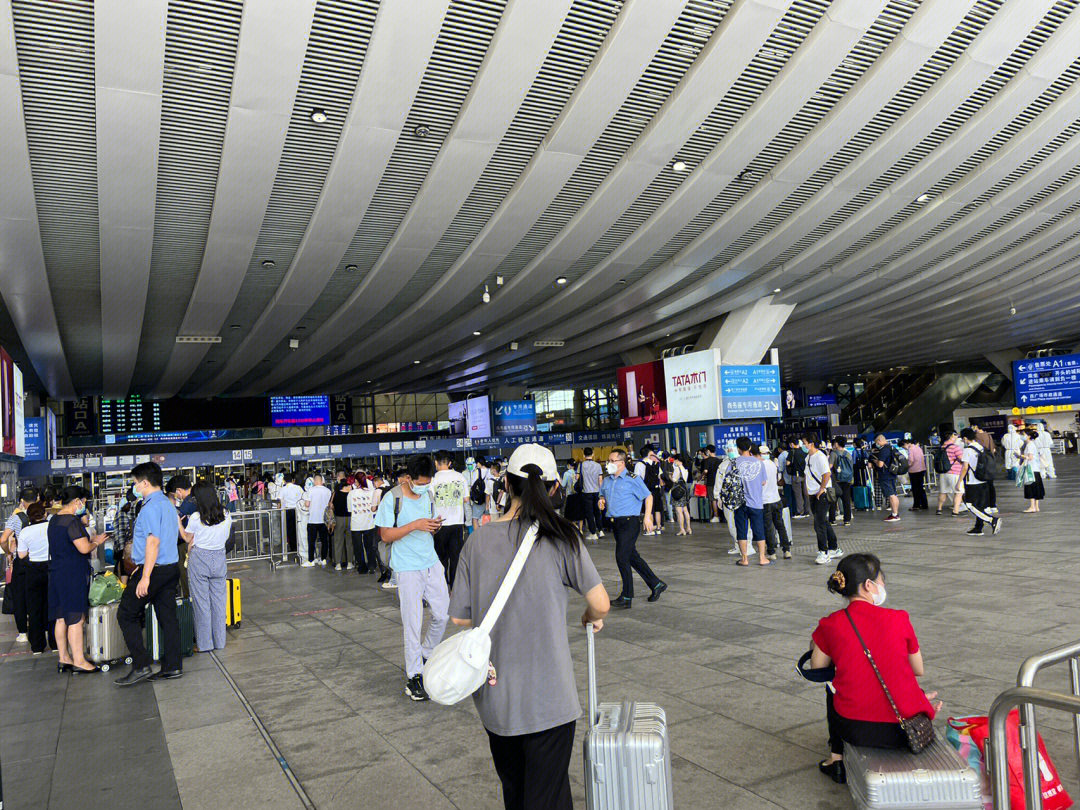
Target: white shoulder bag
column 459, row 665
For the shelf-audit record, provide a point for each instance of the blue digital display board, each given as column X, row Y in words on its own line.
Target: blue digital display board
column 167, row 436
column 727, row 434
column 515, row 417
column 300, row 411
column 817, row 400
column 35, row 448
column 749, row 392
column 1047, row 381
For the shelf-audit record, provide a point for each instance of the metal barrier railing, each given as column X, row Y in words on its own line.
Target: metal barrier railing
column 260, row 535
column 997, row 758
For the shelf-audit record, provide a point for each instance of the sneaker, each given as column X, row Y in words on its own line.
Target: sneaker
column 338, row 568
column 307, row 565
column 847, row 522
column 997, row 525
column 389, row 586
column 772, row 556
column 821, row 558
column 787, row 554
column 21, row 638
column 733, row 551
column 414, row 689
column 600, row 534
column 348, row 566
column 991, row 510
column 591, row 537
column 799, row 517
column 892, row 518
column 322, row 563
column 974, row 532
column 715, row 520
column 836, row 554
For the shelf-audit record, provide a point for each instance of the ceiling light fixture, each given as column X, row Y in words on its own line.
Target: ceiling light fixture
column 922, row 198
column 234, row 326
column 775, row 291
column 476, row 334
column 679, row 166
column 318, row 115
column 421, row 131
column 416, row 362
column 268, row 264
column 350, row 268
column 486, row 297
column 560, row 280
column 498, row 281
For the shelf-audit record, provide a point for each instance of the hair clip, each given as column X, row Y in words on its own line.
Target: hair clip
column 839, row 579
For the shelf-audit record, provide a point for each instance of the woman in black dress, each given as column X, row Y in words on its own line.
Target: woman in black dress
column 69, row 578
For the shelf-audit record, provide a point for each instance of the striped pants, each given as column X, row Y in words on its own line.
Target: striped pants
column 207, row 572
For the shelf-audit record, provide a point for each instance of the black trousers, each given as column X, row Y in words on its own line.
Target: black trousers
column 918, row 490
column 627, row 559
column 843, row 498
column 449, row 540
column 363, row 543
column 534, row 768
column 975, row 498
column 592, row 511
column 18, row 591
column 318, row 533
column 774, row 526
column 860, row 732
column 131, row 616
column 826, row 537
column 37, row 606
column 991, row 495
column 290, row 531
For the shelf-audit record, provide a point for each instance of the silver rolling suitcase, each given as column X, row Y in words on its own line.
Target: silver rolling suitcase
column 627, row 752
column 103, row 640
column 934, row 779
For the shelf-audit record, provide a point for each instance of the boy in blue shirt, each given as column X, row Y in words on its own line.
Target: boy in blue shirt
column 406, row 520
column 751, row 515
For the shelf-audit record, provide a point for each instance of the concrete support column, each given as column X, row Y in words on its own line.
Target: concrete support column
column 1003, row 360
column 744, row 335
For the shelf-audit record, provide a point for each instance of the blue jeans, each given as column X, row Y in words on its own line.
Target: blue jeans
column 755, row 518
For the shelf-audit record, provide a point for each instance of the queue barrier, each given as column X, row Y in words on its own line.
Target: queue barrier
column 1025, row 696
column 259, row 534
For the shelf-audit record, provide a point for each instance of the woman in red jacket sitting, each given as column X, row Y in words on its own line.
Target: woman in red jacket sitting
column 858, row 710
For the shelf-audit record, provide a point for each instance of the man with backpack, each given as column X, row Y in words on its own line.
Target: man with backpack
column 751, row 477
column 890, row 463
column 819, row 485
column 796, row 469
column 843, row 469
column 977, row 470
column 16, row 522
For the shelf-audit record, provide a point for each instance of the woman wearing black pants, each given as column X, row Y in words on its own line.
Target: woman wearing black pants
column 33, row 556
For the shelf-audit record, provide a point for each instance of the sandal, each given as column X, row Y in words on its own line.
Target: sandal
column 742, row 562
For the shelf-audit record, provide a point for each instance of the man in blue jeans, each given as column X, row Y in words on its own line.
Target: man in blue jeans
column 752, row 512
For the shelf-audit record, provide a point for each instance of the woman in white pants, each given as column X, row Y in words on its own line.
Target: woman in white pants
column 206, row 534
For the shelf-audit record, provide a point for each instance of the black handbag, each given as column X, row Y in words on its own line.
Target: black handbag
column 830, row 492
column 919, row 728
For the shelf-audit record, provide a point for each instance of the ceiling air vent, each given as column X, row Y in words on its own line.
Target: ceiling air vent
column 548, row 344
column 198, row 339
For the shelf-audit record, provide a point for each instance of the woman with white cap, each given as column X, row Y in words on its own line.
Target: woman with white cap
column 530, row 704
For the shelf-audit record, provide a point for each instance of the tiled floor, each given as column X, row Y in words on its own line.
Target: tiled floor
column 318, row 659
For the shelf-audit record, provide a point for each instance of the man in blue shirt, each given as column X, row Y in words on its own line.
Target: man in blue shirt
column 752, row 512
column 621, row 497
column 406, row 520
column 157, row 571
column 882, row 459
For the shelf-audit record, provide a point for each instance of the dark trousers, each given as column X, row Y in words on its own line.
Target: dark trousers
column 860, row 732
column 826, row 537
column 592, row 511
column 449, row 540
column 975, row 498
column 181, row 567
column 843, row 498
column 534, row 768
column 918, row 490
column 131, row 616
column 318, row 533
column 290, row 531
column 626, row 555
column 18, row 591
column 774, row 526
column 37, row 606
column 363, row 543
column 991, row 495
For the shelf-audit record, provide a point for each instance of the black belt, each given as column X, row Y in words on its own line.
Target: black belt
column 627, row 517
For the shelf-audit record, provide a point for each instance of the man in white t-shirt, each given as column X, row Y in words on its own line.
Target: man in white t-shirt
column 315, row 502
column 362, row 502
column 473, row 472
column 296, row 531
column 450, row 494
column 976, row 492
column 818, row 486
column 773, row 508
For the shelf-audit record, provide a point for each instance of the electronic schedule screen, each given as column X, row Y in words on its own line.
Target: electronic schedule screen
column 300, row 411
column 130, row 415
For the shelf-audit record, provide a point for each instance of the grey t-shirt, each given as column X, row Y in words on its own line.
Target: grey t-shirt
column 590, row 476
column 535, row 686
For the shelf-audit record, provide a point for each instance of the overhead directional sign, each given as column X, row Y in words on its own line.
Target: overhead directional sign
column 1047, row 381
column 749, row 392
column 727, row 434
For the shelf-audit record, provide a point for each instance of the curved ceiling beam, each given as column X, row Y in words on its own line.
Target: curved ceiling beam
column 737, row 39
column 128, row 88
column 24, row 284
column 269, row 60
column 638, row 32
column 401, row 43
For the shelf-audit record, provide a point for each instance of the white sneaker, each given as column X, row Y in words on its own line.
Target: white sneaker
column 307, row 565
column 600, row 534
column 715, row 520
column 991, row 510
column 348, row 566
column 591, row 538
column 338, row 568
column 21, row 638
column 322, row 563
column 733, row 551
column 821, row 558
column 836, row 554
column 389, row 586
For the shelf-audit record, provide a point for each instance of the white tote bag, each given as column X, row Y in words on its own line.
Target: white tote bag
column 459, row 665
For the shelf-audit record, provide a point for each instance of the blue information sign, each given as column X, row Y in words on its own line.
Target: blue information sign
column 34, row 434
column 817, row 400
column 749, row 392
column 1047, row 381
column 516, row 417
column 727, row 434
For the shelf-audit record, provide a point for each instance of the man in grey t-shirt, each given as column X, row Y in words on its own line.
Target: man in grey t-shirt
column 590, row 489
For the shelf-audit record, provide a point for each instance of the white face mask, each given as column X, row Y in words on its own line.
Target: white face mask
column 612, row 468
column 879, row 595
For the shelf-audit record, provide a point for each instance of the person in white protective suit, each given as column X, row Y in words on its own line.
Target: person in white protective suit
column 1044, row 443
column 1011, row 442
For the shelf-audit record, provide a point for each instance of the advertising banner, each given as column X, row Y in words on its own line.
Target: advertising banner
column 7, row 402
column 642, row 395
column 515, row 417
column 692, row 390
column 20, row 412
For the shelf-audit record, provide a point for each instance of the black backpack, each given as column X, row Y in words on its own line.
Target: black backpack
column 651, row 478
column 579, row 482
column 796, row 462
column 986, row 466
column 898, row 462
column 942, row 462
column 477, row 492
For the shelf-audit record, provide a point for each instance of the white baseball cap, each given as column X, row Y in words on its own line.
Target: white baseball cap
column 526, row 454
column 764, row 449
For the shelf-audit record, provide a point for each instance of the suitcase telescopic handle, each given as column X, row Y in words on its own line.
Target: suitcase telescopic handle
column 591, row 644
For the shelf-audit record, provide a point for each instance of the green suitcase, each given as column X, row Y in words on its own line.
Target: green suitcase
column 154, row 639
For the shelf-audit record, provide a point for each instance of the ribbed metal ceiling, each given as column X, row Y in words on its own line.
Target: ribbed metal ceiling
column 910, row 162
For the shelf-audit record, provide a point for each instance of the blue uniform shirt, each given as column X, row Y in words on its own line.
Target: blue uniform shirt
column 157, row 517
column 623, row 495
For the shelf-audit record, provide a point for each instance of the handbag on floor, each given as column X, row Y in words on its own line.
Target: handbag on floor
column 459, row 665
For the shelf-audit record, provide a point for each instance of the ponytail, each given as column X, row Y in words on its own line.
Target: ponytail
column 535, row 507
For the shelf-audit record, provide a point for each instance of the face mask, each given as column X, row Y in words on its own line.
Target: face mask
column 470, row 466
column 731, row 454
column 612, row 468
column 81, row 510
column 879, row 596
column 135, row 492
column 419, row 489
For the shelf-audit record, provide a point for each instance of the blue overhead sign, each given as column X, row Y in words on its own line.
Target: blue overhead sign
column 818, row 400
column 727, row 434
column 35, row 443
column 1047, row 381
column 749, row 392
column 516, row 417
